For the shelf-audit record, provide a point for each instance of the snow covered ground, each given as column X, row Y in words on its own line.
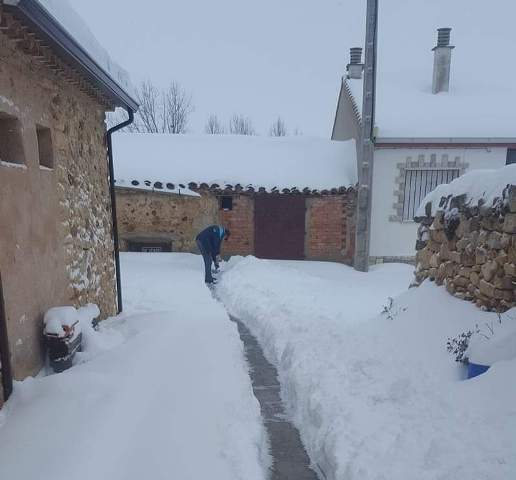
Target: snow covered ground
column 377, row 396
column 162, row 392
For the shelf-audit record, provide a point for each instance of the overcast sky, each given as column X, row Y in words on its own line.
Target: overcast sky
column 260, row 58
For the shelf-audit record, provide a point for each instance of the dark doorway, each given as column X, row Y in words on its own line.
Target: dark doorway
column 279, row 227
column 150, row 246
column 5, row 361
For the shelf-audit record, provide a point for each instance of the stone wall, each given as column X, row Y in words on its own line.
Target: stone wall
column 55, row 237
column 472, row 251
column 146, row 216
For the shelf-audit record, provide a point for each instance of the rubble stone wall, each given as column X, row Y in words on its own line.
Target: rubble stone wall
column 471, row 251
column 56, row 244
column 153, row 216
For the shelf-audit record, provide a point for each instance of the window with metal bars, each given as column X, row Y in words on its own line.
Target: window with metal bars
column 420, row 182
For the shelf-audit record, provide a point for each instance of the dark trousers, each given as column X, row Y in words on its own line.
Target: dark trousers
column 207, row 257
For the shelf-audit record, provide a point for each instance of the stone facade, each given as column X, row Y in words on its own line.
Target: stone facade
column 56, row 244
column 152, row 217
column 147, row 216
column 472, row 251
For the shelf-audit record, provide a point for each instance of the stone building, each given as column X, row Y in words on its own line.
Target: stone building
column 434, row 118
column 56, row 235
column 289, row 198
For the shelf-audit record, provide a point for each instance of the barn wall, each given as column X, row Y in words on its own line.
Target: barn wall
column 56, row 243
column 145, row 215
column 240, row 220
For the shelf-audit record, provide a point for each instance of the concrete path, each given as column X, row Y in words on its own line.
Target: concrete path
column 289, row 458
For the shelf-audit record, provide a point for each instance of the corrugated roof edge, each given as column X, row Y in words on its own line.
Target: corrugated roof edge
column 40, row 19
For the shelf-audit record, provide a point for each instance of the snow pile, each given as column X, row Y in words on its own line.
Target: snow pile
column 170, row 399
column 405, row 105
column 478, row 185
column 62, row 11
column 60, row 320
column 377, row 396
column 495, row 341
column 284, row 162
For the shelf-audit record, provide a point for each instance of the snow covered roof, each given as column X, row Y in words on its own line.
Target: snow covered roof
column 481, row 85
column 484, row 186
column 58, row 23
column 251, row 162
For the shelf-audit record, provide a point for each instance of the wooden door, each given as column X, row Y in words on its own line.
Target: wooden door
column 279, row 227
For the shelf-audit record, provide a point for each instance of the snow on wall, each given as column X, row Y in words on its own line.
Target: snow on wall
column 394, row 238
column 71, row 21
column 284, row 162
column 480, row 185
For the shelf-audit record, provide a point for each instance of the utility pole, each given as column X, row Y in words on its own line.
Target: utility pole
column 366, row 149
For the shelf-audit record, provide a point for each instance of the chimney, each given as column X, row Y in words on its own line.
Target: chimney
column 442, row 61
column 355, row 66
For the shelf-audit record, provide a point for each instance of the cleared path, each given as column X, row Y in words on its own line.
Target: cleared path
column 289, row 458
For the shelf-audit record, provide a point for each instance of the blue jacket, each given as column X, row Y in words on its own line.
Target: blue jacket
column 211, row 239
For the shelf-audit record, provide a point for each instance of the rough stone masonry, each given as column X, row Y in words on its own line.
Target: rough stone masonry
column 471, row 250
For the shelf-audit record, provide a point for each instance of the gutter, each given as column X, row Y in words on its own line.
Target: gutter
column 450, row 141
column 116, row 242
column 34, row 15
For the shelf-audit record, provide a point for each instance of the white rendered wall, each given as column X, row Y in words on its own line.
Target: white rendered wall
column 397, row 239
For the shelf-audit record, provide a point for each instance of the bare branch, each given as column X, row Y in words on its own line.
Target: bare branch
column 177, row 107
column 240, row 125
column 278, row 128
column 213, row 126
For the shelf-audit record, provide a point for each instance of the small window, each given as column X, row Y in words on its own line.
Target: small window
column 45, row 150
column 226, row 203
column 511, row 156
column 419, row 183
column 11, row 144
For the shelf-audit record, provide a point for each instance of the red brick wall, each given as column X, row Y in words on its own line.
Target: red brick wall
column 240, row 221
column 330, row 232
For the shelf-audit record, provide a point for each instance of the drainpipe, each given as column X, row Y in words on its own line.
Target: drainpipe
column 113, row 203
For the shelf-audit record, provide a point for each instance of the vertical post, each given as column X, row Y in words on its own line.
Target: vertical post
column 366, row 149
column 5, row 360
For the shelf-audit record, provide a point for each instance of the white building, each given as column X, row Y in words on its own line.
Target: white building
column 438, row 111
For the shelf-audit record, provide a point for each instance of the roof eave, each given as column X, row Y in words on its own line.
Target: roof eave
column 36, row 16
column 446, row 140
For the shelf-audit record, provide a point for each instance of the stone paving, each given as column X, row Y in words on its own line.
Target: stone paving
column 289, row 458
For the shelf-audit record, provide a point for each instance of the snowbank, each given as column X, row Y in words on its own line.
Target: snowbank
column 377, row 396
column 477, row 185
column 162, row 392
column 284, row 162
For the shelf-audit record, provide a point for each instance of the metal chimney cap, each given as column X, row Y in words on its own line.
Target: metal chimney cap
column 443, row 37
column 355, row 54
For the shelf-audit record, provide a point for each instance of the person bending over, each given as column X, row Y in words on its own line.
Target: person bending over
column 209, row 242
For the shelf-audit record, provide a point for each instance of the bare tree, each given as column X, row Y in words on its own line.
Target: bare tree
column 177, row 107
column 278, row 128
column 213, row 126
column 297, row 132
column 240, row 125
column 149, row 114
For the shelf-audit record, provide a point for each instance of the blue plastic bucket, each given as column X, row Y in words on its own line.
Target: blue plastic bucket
column 474, row 369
